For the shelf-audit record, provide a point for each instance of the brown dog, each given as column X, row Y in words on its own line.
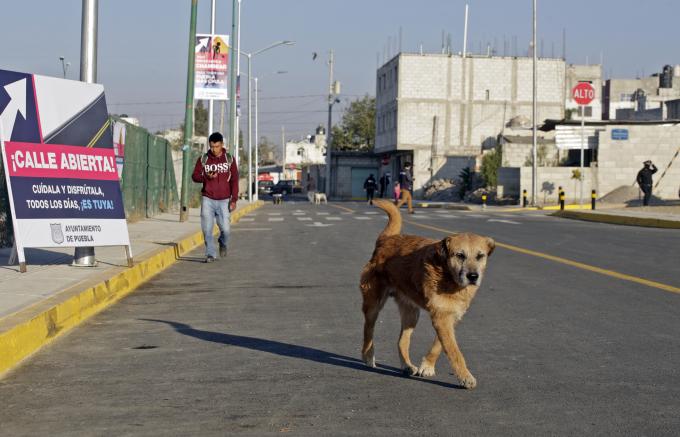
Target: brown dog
column 440, row 276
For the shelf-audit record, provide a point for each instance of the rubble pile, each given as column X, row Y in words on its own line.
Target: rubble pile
column 442, row 190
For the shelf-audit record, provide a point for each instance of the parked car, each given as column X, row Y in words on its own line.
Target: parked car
column 265, row 187
column 286, row 187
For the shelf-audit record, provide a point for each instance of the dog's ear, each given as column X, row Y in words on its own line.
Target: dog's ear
column 491, row 245
column 443, row 248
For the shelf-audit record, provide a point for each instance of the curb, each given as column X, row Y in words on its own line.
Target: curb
column 619, row 219
column 24, row 333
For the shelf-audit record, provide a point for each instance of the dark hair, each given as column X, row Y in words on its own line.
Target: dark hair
column 407, row 164
column 216, row 137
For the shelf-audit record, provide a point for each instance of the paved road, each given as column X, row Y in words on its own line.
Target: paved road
column 267, row 341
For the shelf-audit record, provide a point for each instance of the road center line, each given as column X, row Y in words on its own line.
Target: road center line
column 341, row 207
column 568, row 262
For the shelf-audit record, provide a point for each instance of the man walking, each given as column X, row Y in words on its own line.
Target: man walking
column 644, row 180
column 218, row 173
column 369, row 186
column 406, row 184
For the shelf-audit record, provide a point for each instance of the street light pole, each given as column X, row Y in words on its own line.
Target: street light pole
column 211, row 104
column 257, row 182
column 329, row 134
column 64, row 65
column 534, row 167
column 253, row 193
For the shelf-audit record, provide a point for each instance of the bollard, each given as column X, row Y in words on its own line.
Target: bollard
column 593, row 197
column 525, row 201
column 561, row 200
column 484, row 201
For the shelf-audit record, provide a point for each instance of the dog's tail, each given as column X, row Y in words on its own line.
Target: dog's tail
column 394, row 223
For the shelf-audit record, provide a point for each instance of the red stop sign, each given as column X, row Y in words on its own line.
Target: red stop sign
column 583, row 93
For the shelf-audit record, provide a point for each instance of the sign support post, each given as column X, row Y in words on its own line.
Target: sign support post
column 583, row 93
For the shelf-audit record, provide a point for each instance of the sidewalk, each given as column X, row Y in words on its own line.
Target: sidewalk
column 52, row 296
column 647, row 216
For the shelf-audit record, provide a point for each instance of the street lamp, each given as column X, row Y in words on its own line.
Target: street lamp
column 64, row 65
column 252, row 197
column 257, row 182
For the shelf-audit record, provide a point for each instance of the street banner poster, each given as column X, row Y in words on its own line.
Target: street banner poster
column 59, row 163
column 211, row 72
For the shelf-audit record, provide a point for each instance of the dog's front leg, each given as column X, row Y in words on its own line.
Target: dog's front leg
column 427, row 364
column 443, row 325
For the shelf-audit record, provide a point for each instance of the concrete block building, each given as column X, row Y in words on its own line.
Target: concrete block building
column 441, row 111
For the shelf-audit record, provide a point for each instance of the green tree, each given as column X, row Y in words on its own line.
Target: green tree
column 357, row 126
column 200, row 120
column 491, row 162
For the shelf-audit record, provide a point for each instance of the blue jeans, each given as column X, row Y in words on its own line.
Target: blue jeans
column 210, row 210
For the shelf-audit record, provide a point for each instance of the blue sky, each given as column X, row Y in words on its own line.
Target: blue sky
column 143, row 45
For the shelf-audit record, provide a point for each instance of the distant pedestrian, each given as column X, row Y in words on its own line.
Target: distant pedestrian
column 384, row 183
column 218, row 173
column 396, row 192
column 644, row 180
column 370, row 186
column 406, row 184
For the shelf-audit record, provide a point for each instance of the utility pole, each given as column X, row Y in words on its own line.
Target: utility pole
column 84, row 256
column 534, row 170
column 188, row 116
column 237, row 96
column 465, row 31
column 257, row 142
column 329, row 135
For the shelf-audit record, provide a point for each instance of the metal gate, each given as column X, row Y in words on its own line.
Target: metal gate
column 359, row 176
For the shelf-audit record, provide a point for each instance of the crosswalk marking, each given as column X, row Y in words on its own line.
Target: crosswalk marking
column 273, row 213
column 321, row 213
column 299, row 213
column 371, row 212
column 247, row 219
column 333, row 218
column 302, row 219
column 275, row 219
column 360, row 217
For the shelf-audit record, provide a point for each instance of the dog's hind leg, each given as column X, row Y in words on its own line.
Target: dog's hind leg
column 409, row 319
column 443, row 324
column 427, row 364
column 374, row 296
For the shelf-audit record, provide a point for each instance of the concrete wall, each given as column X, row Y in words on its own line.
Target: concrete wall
column 341, row 172
column 519, row 154
column 620, row 160
column 513, row 180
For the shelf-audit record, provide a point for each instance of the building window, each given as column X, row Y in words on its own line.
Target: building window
column 487, row 94
column 396, row 75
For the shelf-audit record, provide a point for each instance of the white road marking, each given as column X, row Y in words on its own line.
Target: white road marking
column 273, row 213
column 510, row 222
column 250, row 229
column 302, row 219
column 359, row 217
column 275, row 219
column 247, row 219
column 322, row 213
column 319, row 225
column 371, row 212
column 333, row 218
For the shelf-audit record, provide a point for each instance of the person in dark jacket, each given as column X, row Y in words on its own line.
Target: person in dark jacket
column 218, row 173
column 406, row 183
column 369, row 186
column 384, row 183
column 644, row 180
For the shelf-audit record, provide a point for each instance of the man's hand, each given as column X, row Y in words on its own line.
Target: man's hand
column 211, row 174
column 232, row 206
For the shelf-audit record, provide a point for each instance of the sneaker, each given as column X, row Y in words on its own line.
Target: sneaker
column 209, row 259
column 223, row 251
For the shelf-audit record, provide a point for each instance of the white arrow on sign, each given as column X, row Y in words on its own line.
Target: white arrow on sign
column 510, row 222
column 17, row 102
column 319, row 225
column 202, row 42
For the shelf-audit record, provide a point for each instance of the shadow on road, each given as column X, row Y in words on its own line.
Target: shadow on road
column 290, row 350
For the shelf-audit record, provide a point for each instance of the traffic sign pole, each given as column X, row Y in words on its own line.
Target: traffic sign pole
column 583, row 93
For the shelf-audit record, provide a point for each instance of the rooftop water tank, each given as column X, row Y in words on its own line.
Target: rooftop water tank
column 666, row 79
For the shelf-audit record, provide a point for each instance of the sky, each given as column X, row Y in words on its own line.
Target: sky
column 143, row 45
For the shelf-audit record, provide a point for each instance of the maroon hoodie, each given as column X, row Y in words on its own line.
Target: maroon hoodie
column 225, row 185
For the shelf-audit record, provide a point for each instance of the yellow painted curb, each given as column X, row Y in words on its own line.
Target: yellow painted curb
column 619, row 219
column 25, row 332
